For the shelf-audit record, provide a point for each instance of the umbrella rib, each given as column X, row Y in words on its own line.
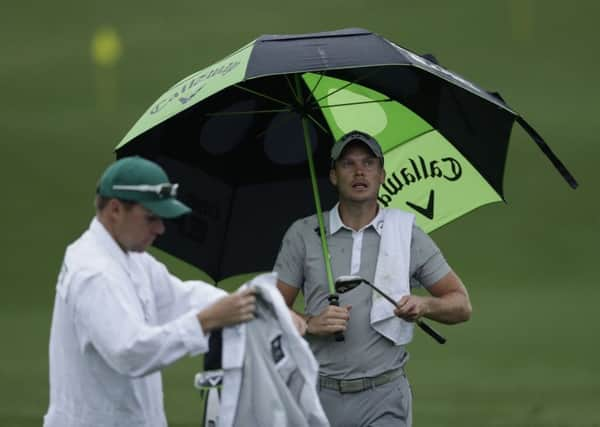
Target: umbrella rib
column 311, row 92
column 324, row 129
column 274, row 126
column 357, row 103
column 296, row 95
column 560, row 167
column 412, row 138
column 262, row 95
column 287, row 119
column 299, row 97
column 239, row 113
column 346, row 85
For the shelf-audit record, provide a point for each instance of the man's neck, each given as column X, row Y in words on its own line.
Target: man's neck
column 357, row 215
column 110, row 230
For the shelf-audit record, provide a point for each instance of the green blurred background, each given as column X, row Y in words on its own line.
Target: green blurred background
column 528, row 357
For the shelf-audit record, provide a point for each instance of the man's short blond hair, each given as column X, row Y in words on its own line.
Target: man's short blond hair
column 100, row 203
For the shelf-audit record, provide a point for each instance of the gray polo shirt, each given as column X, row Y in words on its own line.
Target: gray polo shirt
column 364, row 353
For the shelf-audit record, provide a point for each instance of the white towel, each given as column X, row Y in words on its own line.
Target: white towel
column 286, row 388
column 392, row 276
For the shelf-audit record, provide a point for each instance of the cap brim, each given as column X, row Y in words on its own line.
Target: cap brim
column 166, row 208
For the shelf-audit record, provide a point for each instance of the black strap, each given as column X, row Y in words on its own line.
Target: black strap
column 212, row 359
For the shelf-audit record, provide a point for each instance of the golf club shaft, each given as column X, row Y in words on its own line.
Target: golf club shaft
column 424, row 326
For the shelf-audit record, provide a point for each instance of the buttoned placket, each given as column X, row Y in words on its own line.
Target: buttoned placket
column 357, row 243
column 357, row 239
column 357, row 236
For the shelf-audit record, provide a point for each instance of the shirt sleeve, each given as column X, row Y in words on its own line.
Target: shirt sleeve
column 289, row 264
column 106, row 319
column 174, row 297
column 427, row 264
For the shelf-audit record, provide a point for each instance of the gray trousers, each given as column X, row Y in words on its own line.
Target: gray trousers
column 386, row 405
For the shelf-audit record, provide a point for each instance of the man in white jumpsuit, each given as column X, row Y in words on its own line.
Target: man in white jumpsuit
column 119, row 315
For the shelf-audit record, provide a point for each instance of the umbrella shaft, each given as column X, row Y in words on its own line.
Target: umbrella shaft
column 315, row 188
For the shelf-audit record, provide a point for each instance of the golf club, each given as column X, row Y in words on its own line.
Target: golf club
column 344, row 284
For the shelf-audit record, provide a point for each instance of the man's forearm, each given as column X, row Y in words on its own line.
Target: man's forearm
column 300, row 321
column 302, row 315
column 451, row 308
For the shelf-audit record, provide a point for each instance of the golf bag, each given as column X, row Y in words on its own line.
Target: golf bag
column 210, row 383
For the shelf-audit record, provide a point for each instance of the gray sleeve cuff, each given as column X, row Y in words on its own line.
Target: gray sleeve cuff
column 436, row 269
column 290, row 259
column 428, row 265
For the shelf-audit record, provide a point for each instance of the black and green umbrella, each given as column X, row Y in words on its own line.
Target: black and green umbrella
column 249, row 138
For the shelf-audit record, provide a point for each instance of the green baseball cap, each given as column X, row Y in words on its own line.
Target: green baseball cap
column 136, row 179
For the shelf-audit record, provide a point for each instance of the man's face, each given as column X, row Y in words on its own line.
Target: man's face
column 357, row 174
column 135, row 227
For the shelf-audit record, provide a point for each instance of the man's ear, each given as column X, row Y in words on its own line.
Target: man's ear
column 382, row 179
column 114, row 208
column 114, row 205
column 332, row 177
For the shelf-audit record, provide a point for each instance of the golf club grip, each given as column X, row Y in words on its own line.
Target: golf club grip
column 431, row 332
column 334, row 299
column 339, row 336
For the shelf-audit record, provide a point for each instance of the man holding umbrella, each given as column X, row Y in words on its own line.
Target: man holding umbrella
column 362, row 379
column 119, row 315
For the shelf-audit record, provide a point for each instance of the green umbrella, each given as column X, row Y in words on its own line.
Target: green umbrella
column 249, row 137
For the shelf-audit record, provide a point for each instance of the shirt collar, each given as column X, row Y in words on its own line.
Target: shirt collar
column 105, row 240
column 335, row 221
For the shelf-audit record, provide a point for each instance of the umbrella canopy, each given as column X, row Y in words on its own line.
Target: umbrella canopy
column 241, row 136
